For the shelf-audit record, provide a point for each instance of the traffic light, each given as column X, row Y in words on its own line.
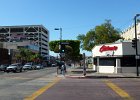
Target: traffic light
column 62, row 49
column 134, row 43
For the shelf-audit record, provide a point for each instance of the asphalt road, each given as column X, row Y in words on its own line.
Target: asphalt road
column 17, row 86
column 93, row 89
column 44, row 85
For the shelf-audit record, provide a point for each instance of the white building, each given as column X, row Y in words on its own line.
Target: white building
column 129, row 33
column 115, row 58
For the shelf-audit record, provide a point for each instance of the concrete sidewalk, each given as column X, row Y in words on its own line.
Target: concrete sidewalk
column 78, row 72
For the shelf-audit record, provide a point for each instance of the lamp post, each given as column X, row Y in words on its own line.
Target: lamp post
column 9, row 50
column 135, row 19
column 60, row 39
column 59, row 43
column 60, row 32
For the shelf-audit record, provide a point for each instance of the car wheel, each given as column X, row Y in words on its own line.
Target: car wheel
column 20, row 70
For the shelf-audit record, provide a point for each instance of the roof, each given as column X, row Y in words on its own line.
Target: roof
column 21, row 26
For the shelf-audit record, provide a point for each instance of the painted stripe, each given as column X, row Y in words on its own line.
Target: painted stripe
column 41, row 90
column 119, row 91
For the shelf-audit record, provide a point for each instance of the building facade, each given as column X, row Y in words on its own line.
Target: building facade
column 35, row 34
column 115, row 58
column 129, row 33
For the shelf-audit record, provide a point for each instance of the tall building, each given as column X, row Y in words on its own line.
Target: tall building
column 36, row 34
column 129, row 33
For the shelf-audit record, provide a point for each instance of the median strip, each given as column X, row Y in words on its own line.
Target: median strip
column 119, row 91
column 41, row 90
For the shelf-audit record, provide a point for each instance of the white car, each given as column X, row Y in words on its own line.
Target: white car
column 39, row 66
column 28, row 66
column 17, row 67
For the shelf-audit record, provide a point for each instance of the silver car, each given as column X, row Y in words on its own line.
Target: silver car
column 39, row 66
column 17, row 67
column 28, row 66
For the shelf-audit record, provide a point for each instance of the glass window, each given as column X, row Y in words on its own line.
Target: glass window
column 107, row 62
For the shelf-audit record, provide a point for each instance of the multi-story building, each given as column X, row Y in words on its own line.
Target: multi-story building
column 35, row 34
column 129, row 33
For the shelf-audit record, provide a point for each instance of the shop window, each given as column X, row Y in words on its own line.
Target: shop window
column 107, row 62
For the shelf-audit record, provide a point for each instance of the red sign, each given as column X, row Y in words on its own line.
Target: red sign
column 108, row 48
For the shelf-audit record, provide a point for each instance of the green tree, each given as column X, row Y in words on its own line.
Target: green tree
column 81, row 37
column 72, row 50
column 26, row 55
column 104, row 33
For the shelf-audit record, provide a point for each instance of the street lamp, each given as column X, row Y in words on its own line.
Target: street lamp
column 60, row 32
column 60, row 40
column 135, row 19
column 59, row 43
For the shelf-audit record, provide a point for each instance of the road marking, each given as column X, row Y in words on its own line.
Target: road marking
column 41, row 90
column 119, row 91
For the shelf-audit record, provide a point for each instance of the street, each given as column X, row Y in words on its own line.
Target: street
column 45, row 84
column 17, row 86
column 93, row 89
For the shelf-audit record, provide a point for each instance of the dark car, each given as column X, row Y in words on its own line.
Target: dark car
column 17, row 67
column 3, row 67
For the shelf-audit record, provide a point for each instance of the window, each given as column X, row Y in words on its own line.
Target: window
column 107, row 62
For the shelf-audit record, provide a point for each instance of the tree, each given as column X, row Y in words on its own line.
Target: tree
column 81, row 37
column 26, row 55
column 72, row 50
column 104, row 33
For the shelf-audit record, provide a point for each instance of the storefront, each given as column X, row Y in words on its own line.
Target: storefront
column 115, row 58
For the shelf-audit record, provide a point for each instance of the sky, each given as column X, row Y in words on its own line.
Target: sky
column 73, row 16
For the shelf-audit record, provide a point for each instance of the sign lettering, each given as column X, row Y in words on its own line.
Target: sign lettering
column 108, row 48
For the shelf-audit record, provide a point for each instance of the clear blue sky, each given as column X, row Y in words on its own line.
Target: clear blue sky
column 73, row 16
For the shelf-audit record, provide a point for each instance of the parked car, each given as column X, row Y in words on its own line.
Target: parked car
column 17, row 67
column 3, row 67
column 28, row 66
column 53, row 65
column 39, row 66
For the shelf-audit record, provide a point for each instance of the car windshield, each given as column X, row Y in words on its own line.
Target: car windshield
column 13, row 65
column 28, row 64
column 2, row 65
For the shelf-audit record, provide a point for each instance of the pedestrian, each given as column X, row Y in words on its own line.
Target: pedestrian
column 63, row 67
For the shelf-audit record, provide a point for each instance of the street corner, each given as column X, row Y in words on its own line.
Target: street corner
column 61, row 76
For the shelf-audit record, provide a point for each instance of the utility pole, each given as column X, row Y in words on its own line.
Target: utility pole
column 136, row 44
column 60, row 29
column 84, row 64
column 60, row 47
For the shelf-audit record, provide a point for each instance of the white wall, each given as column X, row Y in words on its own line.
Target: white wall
column 106, row 69
column 124, row 48
column 96, row 50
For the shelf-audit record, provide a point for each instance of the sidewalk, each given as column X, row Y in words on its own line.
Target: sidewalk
column 78, row 72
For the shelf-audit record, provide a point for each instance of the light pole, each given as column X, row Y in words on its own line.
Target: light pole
column 84, row 64
column 136, row 40
column 59, row 43
column 60, row 40
column 60, row 32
